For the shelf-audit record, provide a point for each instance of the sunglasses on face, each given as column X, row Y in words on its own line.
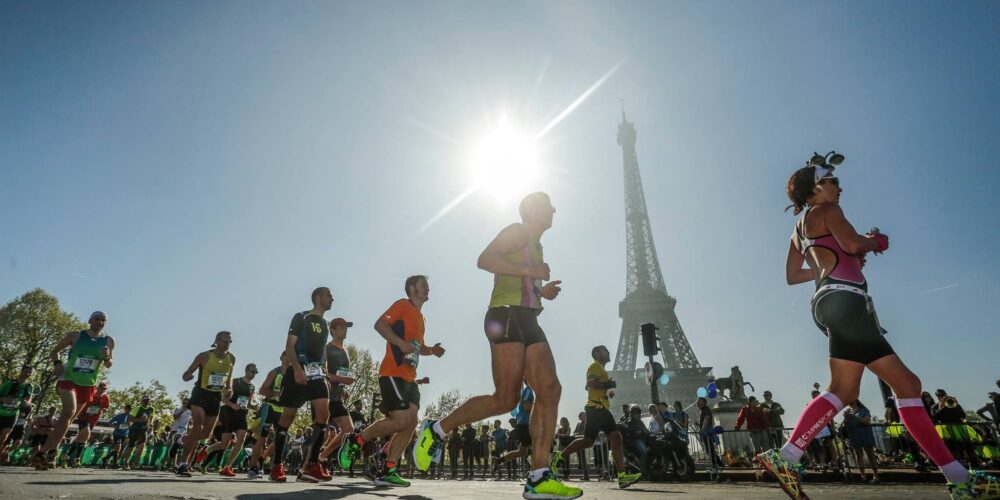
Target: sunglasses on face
column 832, row 180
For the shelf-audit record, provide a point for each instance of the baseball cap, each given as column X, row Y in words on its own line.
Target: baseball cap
column 335, row 322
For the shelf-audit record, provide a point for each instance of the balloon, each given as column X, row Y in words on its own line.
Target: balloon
column 712, row 394
column 702, row 392
column 718, row 429
column 664, row 379
column 712, row 386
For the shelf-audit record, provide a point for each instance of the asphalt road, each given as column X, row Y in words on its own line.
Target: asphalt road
column 24, row 483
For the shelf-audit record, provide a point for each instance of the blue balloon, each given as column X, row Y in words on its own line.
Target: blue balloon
column 664, row 379
column 718, row 429
column 702, row 392
column 712, row 394
column 712, row 386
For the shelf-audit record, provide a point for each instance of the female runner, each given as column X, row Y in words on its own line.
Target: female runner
column 842, row 309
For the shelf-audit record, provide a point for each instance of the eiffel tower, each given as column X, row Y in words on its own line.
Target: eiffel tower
column 647, row 300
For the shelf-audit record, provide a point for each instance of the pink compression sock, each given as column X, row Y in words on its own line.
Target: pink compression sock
column 918, row 424
column 818, row 413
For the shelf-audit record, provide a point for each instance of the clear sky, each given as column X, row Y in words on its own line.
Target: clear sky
column 190, row 167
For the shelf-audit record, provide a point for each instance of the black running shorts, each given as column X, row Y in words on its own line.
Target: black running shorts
column 206, row 400
column 849, row 321
column 294, row 395
column 599, row 419
column 136, row 436
column 38, row 439
column 522, row 434
column 337, row 409
column 232, row 420
column 513, row 324
column 397, row 394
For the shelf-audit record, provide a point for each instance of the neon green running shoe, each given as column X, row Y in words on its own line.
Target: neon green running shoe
column 391, row 478
column 626, row 480
column 980, row 486
column 789, row 475
column 556, row 461
column 429, row 446
column 549, row 488
column 349, row 450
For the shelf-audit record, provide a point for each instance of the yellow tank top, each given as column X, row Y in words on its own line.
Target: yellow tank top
column 518, row 290
column 597, row 398
column 214, row 374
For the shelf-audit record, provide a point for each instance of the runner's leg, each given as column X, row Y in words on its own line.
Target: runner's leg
column 508, row 361
column 540, row 373
column 58, row 432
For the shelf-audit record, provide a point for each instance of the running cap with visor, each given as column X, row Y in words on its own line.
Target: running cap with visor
column 336, row 322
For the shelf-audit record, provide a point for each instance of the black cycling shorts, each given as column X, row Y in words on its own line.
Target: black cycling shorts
column 294, row 395
column 231, row 420
column 397, row 394
column 337, row 409
column 513, row 324
column 206, row 400
column 849, row 321
column 522, row 434
column 599, row 419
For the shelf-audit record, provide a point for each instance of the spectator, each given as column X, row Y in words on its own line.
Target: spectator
column 679, row 415
column 656, row 422
column 824, row 447
column 358, row 416
column 499, row 437
column 482, row 446
column 757, row 424
column 637, row 435
column 706, row 431
column 858, row 420
column 929, row 404
column 454, row 446
column 468, row 450
column 774, row 411
column 581, row 455
column 990, row 412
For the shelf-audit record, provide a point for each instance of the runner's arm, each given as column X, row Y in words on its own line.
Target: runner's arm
column 842, row 230
column 266, row 387
column 794, row 272
column 64, row 343
column 108, row 361
column 510, row 239
column 291, row 358
column 383, row 329
column 198, row 361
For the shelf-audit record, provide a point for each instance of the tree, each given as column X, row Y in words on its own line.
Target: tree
column 30, row 326
column 445, row 404
column 158, row 401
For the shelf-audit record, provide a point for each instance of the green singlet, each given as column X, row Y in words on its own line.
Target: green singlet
column 521, row 291
column 86, row 360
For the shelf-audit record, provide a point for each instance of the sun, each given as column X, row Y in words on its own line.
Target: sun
column 504, row 162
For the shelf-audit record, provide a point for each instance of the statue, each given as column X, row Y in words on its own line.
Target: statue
column 734, row 384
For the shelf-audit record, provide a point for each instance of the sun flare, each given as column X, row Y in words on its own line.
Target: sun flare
column 504, row 162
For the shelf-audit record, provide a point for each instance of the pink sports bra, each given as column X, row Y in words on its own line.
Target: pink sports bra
column 847, row 267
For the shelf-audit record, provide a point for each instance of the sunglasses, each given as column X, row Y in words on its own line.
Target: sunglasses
column 832, row 180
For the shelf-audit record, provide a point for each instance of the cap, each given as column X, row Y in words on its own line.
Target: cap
column 97, row 314
column 335, row 322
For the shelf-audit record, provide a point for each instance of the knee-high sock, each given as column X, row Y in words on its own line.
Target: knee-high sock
column 818, row 413
column 918, row 424
column 318, row 435
column 280, row 436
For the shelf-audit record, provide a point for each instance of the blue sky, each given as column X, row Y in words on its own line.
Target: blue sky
column 190, row 167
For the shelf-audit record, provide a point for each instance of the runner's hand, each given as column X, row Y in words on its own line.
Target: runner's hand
column 299, row 375
column 551, row 289
column 437, row 350
column 539, row 272
column 881, row 241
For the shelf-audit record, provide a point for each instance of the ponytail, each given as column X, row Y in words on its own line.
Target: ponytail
column 800, row 188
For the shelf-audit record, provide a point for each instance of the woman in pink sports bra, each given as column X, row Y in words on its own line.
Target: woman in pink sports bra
column 833, row 255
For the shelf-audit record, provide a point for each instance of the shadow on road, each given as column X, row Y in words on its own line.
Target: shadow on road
column 118, row 481
column 333, row 493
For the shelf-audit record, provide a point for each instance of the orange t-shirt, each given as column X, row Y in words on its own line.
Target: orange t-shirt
column 407, row 322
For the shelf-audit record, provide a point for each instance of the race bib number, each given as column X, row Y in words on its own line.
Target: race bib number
column 345, row 372
column 19, row 422
column 314, row 371
column 85, row 365
column 93, row 410
column 123, row 427
column 216, row 381
column 413, row 358
column 12, row 405
column 357, row 424
column 242, row 401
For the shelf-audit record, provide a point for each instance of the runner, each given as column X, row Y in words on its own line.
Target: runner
column 16, row 436
column 89, row 351
column 13, row 395
column 215, row 371
column 518, row 347
column 86, row 420
column 234, row 417
column 304, row 380
column 119, row 436
column 522, row 428
column 138, row 420
column 599, row 418
column 268, row 415
column 179, row 429
column 843, row 310
column 41, row 427
column 338, row 369
column 402, row 327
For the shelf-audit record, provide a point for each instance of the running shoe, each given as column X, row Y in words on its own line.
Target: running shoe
column 626, row 480
column 980, row 486
column 324, row 473
column 278, row 473
column 549, row 488
column 314, row 473
column 429, row 446
column 391, row 478
column 182, row 471
column 789, row 475
column 228, row 472
column 253, row 473
column 349, row 450
column 555, row 462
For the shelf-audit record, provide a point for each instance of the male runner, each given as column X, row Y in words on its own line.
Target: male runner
column 215, row 371
column 119, row 436
column 518, row 347
column 89, row 351
column 86, row 420
column 182, row 416
column 138, row 420
column 338, row 370
column 268, row 415
column 522, row 429
column 234, row 417
column 599, row 418
column 402, row 327
column 305, row 380
column 16, row 436
column 13, row 393
column 41, row 427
